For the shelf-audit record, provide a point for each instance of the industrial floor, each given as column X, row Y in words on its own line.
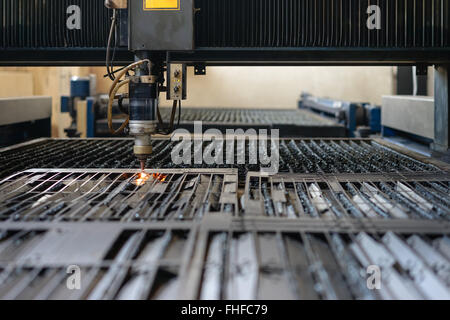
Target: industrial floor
column 336, row 207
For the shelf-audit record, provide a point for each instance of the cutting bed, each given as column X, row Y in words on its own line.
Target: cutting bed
column 336, row 207
column 291, row 123
column 296, row 156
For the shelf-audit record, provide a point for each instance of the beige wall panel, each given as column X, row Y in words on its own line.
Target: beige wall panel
column 272, row 87
column 46, row 81
column 16, row 84
column 238, row 87
column 81, row 118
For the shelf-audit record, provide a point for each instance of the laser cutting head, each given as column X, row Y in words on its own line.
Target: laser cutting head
column 142, row 131
column 143, row 95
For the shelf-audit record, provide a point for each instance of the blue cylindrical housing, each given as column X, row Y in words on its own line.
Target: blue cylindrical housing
column 80, row 87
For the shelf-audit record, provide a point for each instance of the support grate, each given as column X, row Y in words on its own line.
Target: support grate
column 296, row 156
column 360, row 201
column 118, row 263
column 250, row 116
column 290, row 123
column 371, row 197
column 122, row 196
column 337, row 207
column 112, row 264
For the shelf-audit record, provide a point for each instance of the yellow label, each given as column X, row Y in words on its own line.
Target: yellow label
column 161, row 4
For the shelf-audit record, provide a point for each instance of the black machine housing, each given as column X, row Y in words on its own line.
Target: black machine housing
column 230, row 32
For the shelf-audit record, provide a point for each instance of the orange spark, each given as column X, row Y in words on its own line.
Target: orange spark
column 142, row 179
column 160, row 177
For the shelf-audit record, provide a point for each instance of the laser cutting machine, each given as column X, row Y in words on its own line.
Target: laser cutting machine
column 336, row 207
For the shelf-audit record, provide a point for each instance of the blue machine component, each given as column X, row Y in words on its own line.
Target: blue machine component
column 352, row 121
column 323, row 106
column 409, row 140
column 352, row 115
column 374, row 118
column 388, row 132
column 65, row 104
column 80, row 87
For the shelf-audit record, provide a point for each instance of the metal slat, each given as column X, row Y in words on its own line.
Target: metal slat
column 141, row 264
column 113, row 196
column 348, row 197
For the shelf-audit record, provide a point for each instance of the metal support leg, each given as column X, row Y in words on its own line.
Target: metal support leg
column 442, row 108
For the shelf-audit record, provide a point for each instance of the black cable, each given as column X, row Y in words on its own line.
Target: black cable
column 108, row 47
column 120, row 104
column 116, row 71
column 167, row 131
column 161, row 129
column 179, row 113
column 172, row 116
column 111, row 63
